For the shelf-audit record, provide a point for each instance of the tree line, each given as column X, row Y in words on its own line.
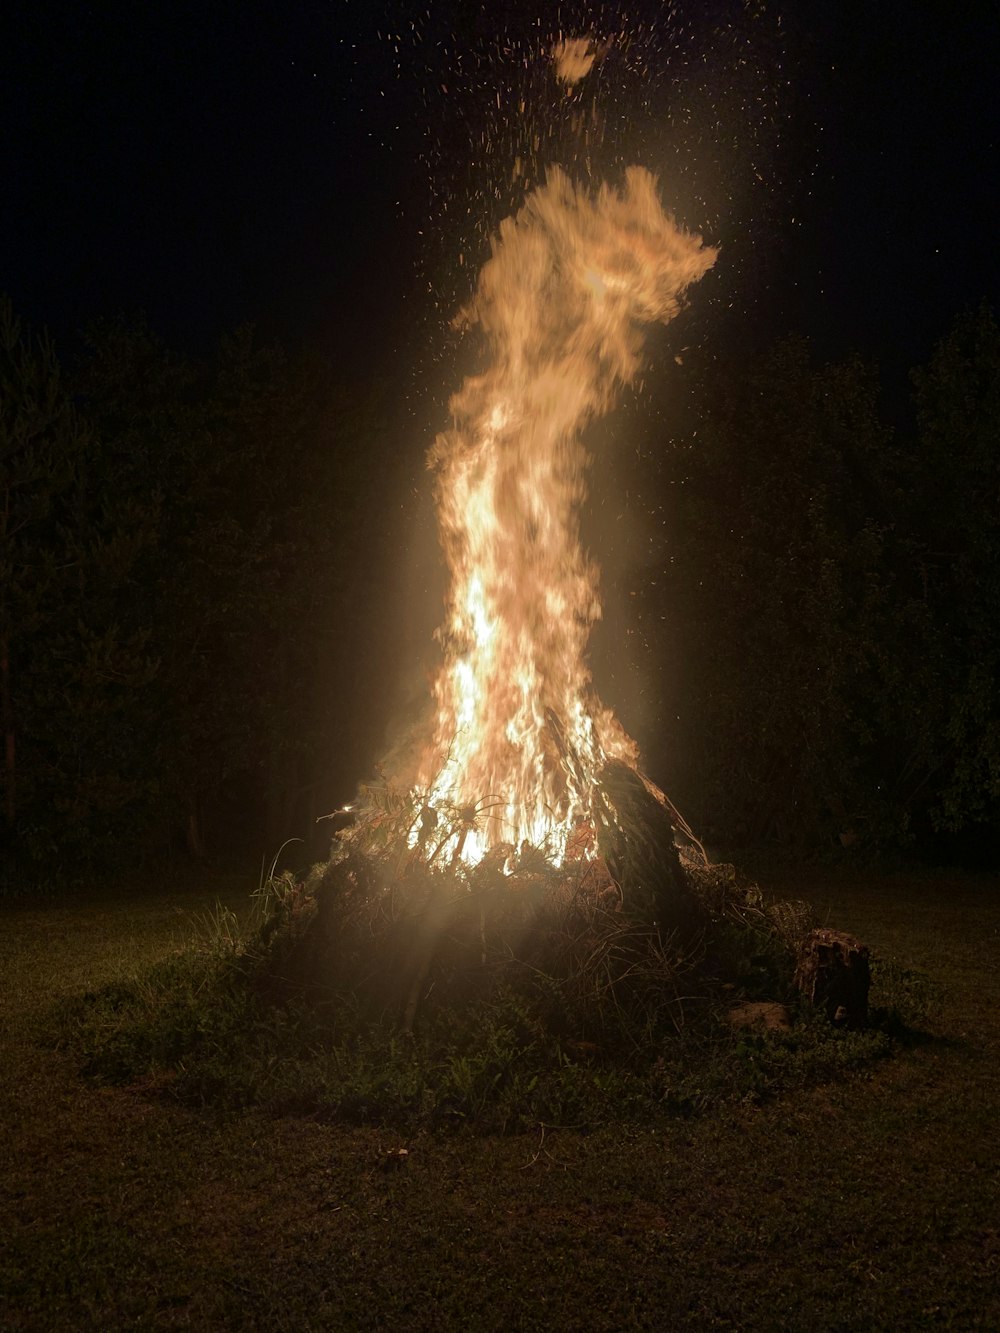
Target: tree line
column 832, row 595
column 197, row 596
column 190, row 558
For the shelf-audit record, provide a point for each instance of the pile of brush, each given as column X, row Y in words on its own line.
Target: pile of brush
column 626, row 940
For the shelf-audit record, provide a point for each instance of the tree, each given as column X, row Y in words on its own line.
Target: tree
column 955, row 509
column 41, row 441
column 69, row 666
column 777, row 591
column 832, row 597
column 266, row 480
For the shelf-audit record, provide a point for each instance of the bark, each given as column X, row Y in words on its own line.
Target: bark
column 833, row 972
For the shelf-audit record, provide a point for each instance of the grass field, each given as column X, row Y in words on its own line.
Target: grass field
column 870, row 1203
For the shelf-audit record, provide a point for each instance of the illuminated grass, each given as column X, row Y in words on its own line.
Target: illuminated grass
column 860, row 1203
column 567, row 1012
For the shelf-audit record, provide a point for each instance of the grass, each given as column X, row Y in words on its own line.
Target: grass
column 541, row 1004
column 863, row 1203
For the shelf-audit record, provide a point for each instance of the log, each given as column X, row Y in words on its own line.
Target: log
column 641, row 853
column 833, row 972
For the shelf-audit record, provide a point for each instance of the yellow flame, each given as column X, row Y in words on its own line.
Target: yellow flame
column 519, row 736
column 573, row 58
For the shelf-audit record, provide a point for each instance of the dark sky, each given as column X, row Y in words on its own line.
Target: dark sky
column 215, row 162
column 318, row 167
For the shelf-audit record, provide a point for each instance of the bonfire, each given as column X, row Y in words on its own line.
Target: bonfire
column 515, row 926
column 515, row 833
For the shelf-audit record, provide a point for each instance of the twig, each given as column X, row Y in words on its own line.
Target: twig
column 542, row 1151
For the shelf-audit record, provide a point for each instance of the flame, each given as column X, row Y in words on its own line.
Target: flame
column 520, row 737
column 573, row 59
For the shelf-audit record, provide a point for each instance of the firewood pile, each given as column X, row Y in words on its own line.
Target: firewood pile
column 628, row 922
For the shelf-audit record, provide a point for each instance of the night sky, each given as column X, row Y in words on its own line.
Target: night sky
column 317, row 168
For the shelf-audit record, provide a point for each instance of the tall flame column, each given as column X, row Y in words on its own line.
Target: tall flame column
column 561, row 302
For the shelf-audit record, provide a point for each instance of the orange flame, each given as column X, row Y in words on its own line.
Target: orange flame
column 520, row 737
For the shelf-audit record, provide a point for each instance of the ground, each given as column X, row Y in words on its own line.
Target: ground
column 870, row 1203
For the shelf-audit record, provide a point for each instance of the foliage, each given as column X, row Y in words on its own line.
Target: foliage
column 258, row 562
column 791, row 549
column 831, row 586
column 186, row 554
column 73, row 660
column 955, row 505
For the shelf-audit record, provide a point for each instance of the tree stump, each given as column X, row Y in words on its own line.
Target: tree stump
column 834, row 973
